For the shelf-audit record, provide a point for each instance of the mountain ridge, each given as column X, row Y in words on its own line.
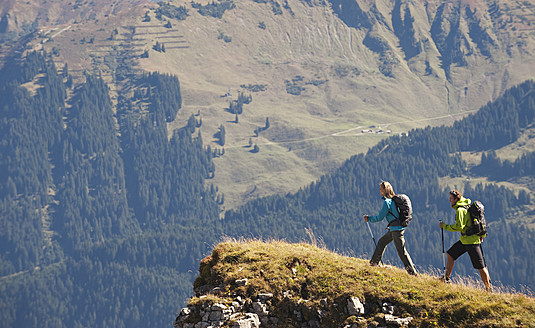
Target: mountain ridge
column 254, row 283
column 351, row 65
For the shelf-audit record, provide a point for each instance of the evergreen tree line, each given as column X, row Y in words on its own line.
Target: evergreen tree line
column 168, row 10
column 214, row 9
column 163, row 91
column 91, row 187
column 105, row 218
column 28, row 134
column 166, row 178
column 136, row 281
column 333, row 206
column 495, row 168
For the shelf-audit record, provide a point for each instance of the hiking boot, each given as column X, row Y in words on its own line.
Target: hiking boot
column 489, row 289
column 446, row 280
column 412, row 272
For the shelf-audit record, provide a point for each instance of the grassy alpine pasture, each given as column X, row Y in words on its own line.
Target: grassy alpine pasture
column 314, row 276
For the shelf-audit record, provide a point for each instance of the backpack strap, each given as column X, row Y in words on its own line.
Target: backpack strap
column 390, row 211
column 470, row 221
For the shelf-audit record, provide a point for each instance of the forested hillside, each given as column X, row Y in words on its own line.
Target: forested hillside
column 321, row 71
column 332, row 208
column 101, row 213
column 106, row 214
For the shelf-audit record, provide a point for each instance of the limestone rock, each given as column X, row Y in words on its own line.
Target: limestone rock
column 355, row 306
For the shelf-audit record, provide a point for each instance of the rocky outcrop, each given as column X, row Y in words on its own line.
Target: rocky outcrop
column 277, row 284
column 264, row 310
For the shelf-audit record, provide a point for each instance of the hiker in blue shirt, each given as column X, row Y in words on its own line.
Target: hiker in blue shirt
column 395, row 230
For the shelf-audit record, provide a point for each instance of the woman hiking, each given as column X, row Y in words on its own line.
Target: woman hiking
column 395, row 230
column 467, row 243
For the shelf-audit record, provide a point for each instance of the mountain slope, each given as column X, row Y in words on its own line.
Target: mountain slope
column 320, row 71
column 425, row 165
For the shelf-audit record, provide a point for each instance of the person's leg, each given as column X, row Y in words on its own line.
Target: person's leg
column 449, row 267
column 478, row 262
column 399, row 241
column 454, row 252
column 380, row 249
column 485, row 277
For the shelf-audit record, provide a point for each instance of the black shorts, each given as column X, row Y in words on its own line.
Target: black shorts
column 474, row 251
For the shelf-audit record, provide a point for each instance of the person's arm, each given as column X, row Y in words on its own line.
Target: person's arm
column 459, row 224
column 382, row 213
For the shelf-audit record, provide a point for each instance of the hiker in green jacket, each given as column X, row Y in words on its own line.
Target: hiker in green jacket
column 470, row 244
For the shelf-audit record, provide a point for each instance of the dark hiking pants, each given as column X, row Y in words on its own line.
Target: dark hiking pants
column 399, row 242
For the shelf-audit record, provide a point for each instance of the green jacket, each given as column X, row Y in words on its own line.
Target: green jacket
column 462, row 221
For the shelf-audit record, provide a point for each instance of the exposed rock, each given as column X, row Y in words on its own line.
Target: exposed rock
column 241, row 282
column 250, row 320
column 218, row 307
column 388, row 308
column 265, row 296
column 393, row 320
column 246, row 313
column 355, row 306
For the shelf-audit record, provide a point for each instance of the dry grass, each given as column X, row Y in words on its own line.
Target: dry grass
column 302, row 273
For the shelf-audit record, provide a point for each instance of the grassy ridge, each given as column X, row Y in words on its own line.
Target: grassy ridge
column 299, row 274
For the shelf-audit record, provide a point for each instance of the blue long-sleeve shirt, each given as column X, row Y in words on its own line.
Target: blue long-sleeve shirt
column 389, row 211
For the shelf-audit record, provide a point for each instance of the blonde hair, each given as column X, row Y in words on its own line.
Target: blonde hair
column 389, row 190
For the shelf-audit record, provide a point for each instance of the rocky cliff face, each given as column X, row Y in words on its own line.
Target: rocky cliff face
column 265, row 311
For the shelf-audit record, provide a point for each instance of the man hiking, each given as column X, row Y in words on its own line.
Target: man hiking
column 467, row 243
column 395, row 230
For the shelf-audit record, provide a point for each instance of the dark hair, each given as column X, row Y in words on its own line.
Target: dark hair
column 456, row 193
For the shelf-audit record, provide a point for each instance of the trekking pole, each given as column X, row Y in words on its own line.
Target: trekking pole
column 370, row 230
column 444, row 254
column 482, row 254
